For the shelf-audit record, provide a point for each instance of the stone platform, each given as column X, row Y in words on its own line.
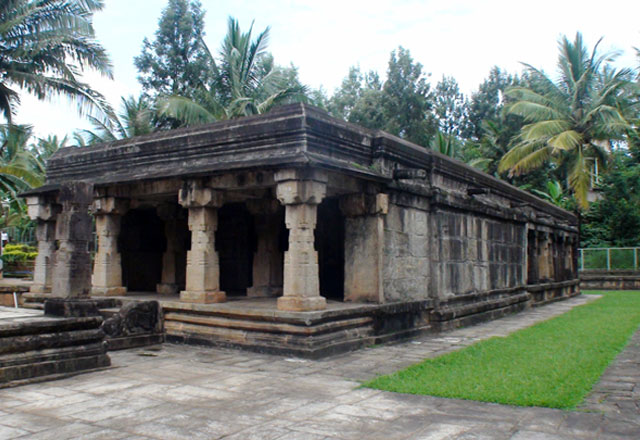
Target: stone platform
column 257, row 324
column 34, row 347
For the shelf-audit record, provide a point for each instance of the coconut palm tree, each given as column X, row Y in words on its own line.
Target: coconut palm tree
column 571, row 121
column 136, row 118
column 44, row 46
column 18, row 167
column 246, row 81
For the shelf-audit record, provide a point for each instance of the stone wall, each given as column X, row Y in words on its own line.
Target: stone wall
column 475, row 254
column 406, row 271
column 609, row 280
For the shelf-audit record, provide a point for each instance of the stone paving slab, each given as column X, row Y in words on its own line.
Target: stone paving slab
column 186, row 392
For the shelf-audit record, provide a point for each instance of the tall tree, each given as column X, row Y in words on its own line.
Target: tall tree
column 245, row 81
column 176, row 62
column 44, row 46
column 401, row 105
column 487, row 103
column 408, row 100
column 571, row 121
column 450, row 108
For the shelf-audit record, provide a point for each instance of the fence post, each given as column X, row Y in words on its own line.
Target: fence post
column 608, row 258
column 635, row 258
column 581, row 259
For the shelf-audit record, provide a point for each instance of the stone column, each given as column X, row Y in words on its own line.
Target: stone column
column 43, row 212
column 544, row 256
column 72, row 268
column 267, row 261
column 301, row 191
column 107, row 265
column 173, row 234
column 364, row 243
column 203, row 269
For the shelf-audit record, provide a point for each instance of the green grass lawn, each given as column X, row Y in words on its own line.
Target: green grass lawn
column 554, row 363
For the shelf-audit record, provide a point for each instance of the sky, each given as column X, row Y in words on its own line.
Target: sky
column 459, row 38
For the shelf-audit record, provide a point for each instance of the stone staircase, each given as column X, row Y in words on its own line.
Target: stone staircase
column 305, row 334
column 122, row 337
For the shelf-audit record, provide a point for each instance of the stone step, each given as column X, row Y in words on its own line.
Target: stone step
column 33, row 305
column 301, row 337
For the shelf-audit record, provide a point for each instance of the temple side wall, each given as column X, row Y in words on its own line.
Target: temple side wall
column 474, row 254
column 406, row 253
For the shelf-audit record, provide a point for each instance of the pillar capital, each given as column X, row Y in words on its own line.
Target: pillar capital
column 295, row 186
column 193, row 195
column 41, row 208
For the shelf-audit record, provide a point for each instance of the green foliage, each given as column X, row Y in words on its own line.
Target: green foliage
column 176, row 62
column 44, row 46
column 244, row 81
column 401, row 105
column 553, row 364
column 615, row 219
column 18, row 254
column 555, row 193
column 20, row 169
column 450, row 108
column 136, row 118
column 569, row 121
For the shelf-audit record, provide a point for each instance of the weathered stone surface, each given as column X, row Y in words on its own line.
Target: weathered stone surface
column 268, row 260
column 43, row 268
column 203, row 269
column 71, row 307
column 40, row 347
column 609, row 280
column 107, row 265
column 134, row 318
column 72, row 270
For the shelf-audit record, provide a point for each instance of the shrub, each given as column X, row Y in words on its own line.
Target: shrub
column 18, row 254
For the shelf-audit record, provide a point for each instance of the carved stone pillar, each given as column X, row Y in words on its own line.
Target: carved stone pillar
column 301, row 191
column 43, row 212
column 173, row 229
column 72, row 268
column 364, row 243
column 544, row 256
column 107, row 265
column 267, row 261
column 203, row 269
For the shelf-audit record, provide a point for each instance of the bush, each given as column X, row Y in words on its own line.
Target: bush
column 18, row 254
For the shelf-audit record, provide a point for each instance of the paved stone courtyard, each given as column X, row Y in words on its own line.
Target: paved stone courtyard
column 186, row 392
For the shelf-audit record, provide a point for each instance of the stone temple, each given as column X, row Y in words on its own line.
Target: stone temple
column 294, row 232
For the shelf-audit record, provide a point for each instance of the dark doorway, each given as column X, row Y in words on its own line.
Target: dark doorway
column 330, row 246
column 236, row 244
column 142, row 243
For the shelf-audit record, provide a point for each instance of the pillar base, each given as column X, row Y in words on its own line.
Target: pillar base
column 264, row 292
column 167, row 289
column 109, row 291
column 39, row 288
column 202, row 297
column 301, row 304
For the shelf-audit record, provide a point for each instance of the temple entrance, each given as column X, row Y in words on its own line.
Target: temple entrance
column 142, row 242
column 236, row 244
column 329, row 242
